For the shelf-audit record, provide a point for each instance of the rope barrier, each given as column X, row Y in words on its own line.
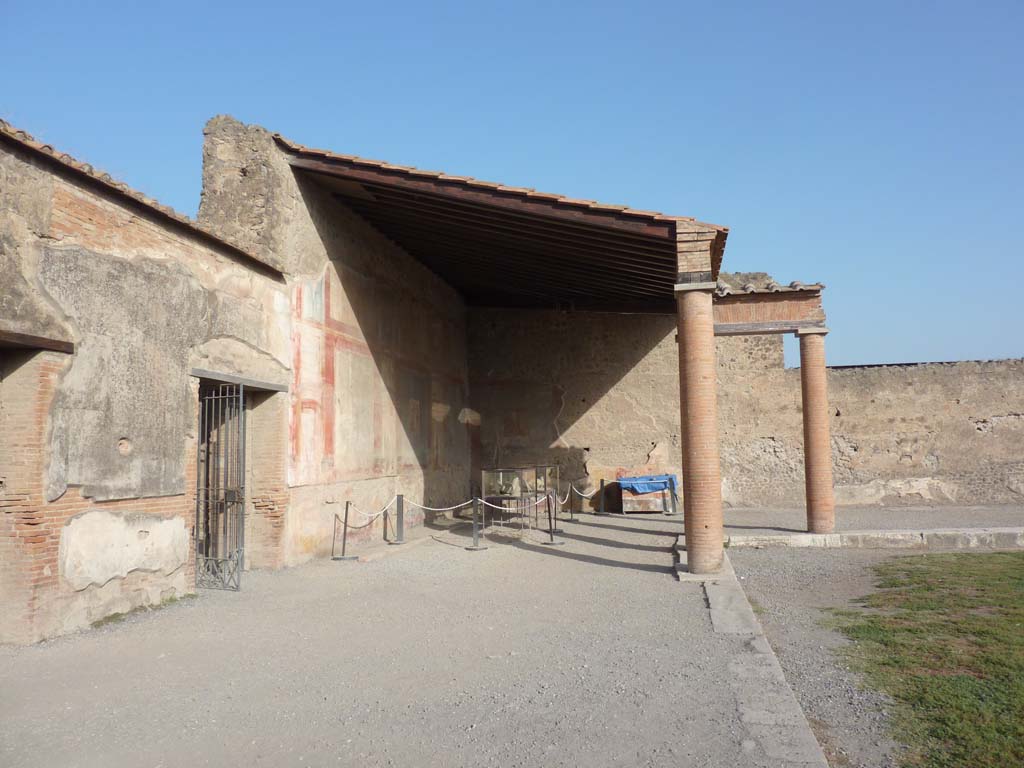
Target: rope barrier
column 370, row 518
column 581, row 493
column 516, row 508
column 439, row 509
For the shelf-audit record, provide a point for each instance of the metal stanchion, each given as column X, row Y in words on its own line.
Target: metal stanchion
column 551, row 525
column 600, row 501
column 477, row 546
column 672, row 495
column 399, row 520
column 552, row 502
column 344, row 538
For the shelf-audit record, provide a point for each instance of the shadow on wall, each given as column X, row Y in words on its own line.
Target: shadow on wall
column 389, row 401
column 595, row 393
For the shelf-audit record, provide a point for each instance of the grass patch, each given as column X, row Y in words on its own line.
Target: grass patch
column 944, row 637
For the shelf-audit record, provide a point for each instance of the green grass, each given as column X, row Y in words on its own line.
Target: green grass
column 944, row 637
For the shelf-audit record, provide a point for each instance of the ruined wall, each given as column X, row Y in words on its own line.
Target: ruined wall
column 379, row 382
column 599, row 393
column 939, row 432
column 98, row 477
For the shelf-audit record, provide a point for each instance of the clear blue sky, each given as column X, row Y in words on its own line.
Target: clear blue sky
column 876, row 147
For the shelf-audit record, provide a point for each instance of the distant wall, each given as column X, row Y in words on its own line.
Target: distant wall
column 941, row 431
column 379, row 376
column 600, row 394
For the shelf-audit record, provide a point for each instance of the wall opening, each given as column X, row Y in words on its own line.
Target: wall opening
column 220, row 485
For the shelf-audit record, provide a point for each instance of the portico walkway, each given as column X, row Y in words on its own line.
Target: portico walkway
column 591, row 653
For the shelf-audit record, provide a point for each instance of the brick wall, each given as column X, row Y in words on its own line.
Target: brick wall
column 267, row 492
column 98, row 452
column 35, row 602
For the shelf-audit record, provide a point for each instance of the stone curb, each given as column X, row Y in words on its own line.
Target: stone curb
column 774, row 722
column 940, row 538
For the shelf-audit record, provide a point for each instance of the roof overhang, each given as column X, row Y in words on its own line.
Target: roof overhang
column 503, row 246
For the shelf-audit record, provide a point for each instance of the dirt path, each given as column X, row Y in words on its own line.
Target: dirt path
column 523, row 655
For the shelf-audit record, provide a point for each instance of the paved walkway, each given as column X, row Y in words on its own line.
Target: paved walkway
column 748, row 521
column 591, row 653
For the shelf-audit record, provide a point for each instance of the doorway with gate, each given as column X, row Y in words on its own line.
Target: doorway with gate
column 220, row 485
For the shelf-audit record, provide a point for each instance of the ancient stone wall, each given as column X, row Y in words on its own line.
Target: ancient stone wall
column 98, row 465
column 599, row 394
column 379, row 378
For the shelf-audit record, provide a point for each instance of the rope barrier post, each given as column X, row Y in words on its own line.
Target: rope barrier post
column 552, row 502
column 476, row 527
column 399, row 520
column 600, row 501
column 551, row 525
column 672, row 482
column 344, row 538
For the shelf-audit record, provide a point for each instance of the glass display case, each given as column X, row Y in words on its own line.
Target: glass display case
column 518, row 482
column 508, row 482
column 547, row 479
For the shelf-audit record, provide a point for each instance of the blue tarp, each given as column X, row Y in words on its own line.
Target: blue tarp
column 647, row 483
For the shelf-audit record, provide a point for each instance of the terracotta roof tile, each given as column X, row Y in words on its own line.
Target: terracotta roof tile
column 300, row 149
column 86, row 169
column 724, row 289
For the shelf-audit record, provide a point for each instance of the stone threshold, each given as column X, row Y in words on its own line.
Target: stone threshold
column 938, row 538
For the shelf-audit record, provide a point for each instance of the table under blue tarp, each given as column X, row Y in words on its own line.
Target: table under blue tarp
column 646, row 484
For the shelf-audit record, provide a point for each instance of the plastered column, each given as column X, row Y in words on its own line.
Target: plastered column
column 821, row 513
column 698, row 390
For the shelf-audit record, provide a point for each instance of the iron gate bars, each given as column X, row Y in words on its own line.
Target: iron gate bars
column 220, row 486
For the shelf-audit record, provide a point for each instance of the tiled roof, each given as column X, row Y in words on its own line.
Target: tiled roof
column 724, row 289
column 470, row 182
column 118, row 187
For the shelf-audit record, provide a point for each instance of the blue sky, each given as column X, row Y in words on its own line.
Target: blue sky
column 876, row 147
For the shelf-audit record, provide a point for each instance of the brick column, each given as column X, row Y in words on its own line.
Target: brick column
column 698, row 396
column 821, row 514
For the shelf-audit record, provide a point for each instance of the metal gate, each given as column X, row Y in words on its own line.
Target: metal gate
column 220, row 486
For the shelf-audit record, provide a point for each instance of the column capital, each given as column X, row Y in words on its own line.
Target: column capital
column 683, row 287
column 811, row 331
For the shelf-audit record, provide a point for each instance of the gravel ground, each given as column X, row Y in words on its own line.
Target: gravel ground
column 750, row 521
column 522, row 655
column 789, row 589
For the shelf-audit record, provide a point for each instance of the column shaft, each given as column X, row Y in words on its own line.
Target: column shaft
column 821, row 515
column 702, row 477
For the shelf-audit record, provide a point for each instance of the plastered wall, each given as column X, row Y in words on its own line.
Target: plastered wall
column 97, row 471
column 379, row 376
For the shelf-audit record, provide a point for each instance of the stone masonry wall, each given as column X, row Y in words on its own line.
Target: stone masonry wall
column 599, row 393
